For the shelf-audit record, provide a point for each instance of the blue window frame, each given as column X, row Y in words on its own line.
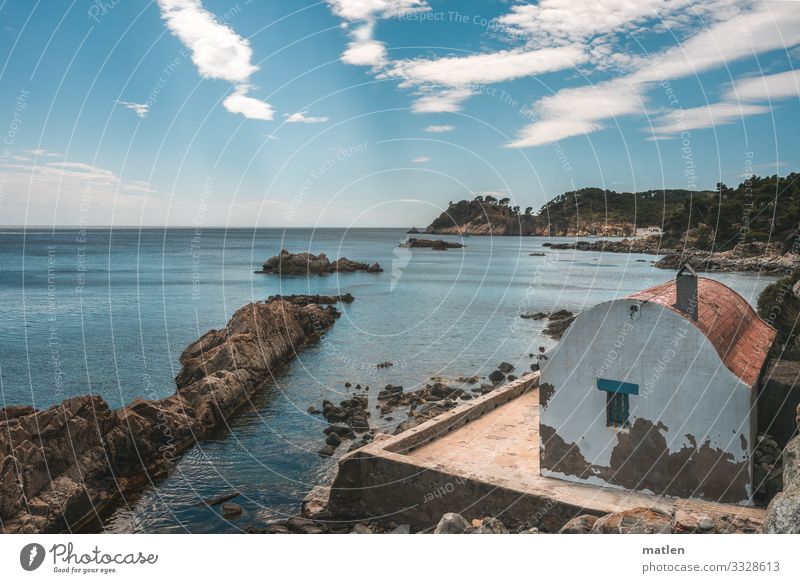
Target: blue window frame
column 617, row 408
column 617, row 401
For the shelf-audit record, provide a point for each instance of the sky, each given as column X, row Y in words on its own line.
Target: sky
column 359, row 113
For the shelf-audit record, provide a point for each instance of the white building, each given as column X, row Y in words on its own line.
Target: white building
column 656, row 392
column 651, row 231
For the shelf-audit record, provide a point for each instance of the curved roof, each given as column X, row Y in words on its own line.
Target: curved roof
column 742, row 339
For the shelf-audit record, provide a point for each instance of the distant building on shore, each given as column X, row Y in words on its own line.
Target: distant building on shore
column 651, row 231
column 657, row 392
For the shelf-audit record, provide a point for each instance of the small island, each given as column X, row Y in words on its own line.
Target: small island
column 436, row 245
column 287, row 263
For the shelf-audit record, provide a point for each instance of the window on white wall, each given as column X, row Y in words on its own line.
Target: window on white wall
column 617, row 407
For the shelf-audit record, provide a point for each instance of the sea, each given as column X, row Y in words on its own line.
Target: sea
column 109, row 311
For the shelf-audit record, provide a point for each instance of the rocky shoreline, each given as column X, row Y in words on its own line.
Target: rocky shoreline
column 754, row 257
column 63, row 466
column 286, row 263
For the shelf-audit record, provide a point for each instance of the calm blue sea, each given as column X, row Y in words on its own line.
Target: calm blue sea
column 109, row 312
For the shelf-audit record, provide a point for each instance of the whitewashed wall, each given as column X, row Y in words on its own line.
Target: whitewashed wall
column 682, row 381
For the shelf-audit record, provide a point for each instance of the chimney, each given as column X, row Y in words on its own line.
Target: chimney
column 686, row 291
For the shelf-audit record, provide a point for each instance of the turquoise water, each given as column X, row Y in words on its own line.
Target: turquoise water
column 110, row 313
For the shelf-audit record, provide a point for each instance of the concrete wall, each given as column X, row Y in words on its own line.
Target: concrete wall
column 691, row 427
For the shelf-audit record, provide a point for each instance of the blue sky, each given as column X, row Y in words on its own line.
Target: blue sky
column 378, row 112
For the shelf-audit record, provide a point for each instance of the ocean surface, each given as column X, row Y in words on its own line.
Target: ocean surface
column 109, row 312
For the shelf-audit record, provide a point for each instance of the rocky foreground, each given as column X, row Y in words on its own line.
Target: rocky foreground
column 286, row 263
column 64, row 465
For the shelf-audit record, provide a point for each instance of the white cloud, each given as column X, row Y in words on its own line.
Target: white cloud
column 420, row 159
column 363, row 50
column 707, row 116
column 439, row 129
column 486, row 67
column 217, row 52
column 446, row 101
column 250, row 107
column 567, row 21
column 140, row 109
column 579, row 110
column 301, row 117
column 364, row 9
column 754, row 30
column 41, row 153
column 766, row 88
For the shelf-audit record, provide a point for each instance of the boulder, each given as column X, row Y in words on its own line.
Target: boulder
column 315, row 503
column 505, row 367
column 231, row 510
column 579, row 525
column 402, row 529
column 451, row 523
column 286, row 263
column 634, row 521
column 491, row 526
column 497, row 377
column 359, row 528
column 783, row 512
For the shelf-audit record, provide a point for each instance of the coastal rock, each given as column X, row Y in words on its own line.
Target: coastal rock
column 451, row 523
column 558, row 323
column 491, row 526
column 536, row 316
column 437, row 244
column 287, row 263
column 401, row 529
column 315, row 503
column 304, row 299
column 222, row 498
column 505, row 367
column 579, row 525
column 770, row 262
column 497, row 377
column 634, row 521
column 231, row 510
column 72, row 458
column 783, row 512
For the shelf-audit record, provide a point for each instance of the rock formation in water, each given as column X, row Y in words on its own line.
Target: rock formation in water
column 438, row 244
column 63, row 466
column 305, row 299
column 286, row 263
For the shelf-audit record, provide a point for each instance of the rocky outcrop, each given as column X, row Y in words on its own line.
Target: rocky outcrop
column 634, row 521
column 305, row 300
column 558, row 322
column 783, row 512
column 646, row 245
column 437, row 244
column 286, row 263
column 731, row 261
column 65, row 465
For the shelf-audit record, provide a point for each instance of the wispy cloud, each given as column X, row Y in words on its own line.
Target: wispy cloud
column 756, row 28
column 140, row 109
column 420, row 159
column 217, row 52
column 301, row 117
column 439, row 129
column 766, row 88
column 41, row 153
column 363, row 50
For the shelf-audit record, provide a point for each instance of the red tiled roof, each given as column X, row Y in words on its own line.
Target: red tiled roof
column 741, row 337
